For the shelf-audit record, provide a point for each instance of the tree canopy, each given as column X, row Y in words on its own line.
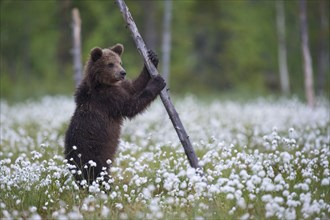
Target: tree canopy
column 217, row 45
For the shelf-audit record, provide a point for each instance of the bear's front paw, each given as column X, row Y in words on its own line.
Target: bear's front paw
column 153, row 57
column 158, row 83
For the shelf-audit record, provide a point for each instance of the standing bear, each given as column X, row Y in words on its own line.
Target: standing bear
column 103, row 100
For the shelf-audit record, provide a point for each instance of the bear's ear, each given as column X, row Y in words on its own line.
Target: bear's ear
column 96, row 53
column 118, row 49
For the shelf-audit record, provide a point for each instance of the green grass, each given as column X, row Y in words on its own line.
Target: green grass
column 151, row 175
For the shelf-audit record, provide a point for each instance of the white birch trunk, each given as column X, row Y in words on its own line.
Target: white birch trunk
column 282, row 55
column 166, row 44
column 308, row 69
column 76, row 51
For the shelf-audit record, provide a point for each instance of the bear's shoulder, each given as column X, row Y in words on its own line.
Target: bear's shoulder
column 83, row 93
column 103, row 94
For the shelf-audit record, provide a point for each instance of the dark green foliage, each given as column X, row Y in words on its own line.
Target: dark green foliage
column 217, row 46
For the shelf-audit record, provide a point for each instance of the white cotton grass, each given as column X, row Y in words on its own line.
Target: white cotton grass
column 271, row 156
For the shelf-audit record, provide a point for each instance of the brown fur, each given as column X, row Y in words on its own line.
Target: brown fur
column 103, row 99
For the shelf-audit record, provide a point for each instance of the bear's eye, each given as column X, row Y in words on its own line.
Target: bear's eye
column 111, row 65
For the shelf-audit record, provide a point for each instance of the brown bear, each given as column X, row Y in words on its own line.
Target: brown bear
column 104, row 99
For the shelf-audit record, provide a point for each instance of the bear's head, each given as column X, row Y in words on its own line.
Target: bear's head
column 104, row 66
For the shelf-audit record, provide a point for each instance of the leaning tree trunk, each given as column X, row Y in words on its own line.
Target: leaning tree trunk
column 282, row 58
column 184, row 138
column 308, row 70
column 76, row 50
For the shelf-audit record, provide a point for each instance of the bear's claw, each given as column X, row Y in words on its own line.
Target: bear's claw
column 159, row 82
column 153, row 57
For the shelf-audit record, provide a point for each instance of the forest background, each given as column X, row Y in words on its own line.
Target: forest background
column 219, row 47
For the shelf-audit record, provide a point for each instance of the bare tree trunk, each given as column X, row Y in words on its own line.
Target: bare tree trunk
column 322, row 53
column 166, row 46
column 184, row 138
column 308, row 69
column 149, row 21
column 282, row 58
column 76, row 51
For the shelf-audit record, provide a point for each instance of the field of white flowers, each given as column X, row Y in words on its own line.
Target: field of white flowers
column 262, row 159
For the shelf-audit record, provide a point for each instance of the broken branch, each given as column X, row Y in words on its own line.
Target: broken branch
column 184, row 138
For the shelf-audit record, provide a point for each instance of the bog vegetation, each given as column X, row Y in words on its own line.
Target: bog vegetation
column 262, row 159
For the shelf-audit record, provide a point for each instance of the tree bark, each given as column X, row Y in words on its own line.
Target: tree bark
column 149, row 22
column 76, row 51
column 184, row 138
column 308, row 69
column 282, row 57
column 166, row 45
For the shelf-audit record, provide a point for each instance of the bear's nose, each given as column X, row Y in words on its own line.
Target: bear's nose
column 123, row 73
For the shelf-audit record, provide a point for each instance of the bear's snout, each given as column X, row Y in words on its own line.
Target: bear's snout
column 122, row 74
